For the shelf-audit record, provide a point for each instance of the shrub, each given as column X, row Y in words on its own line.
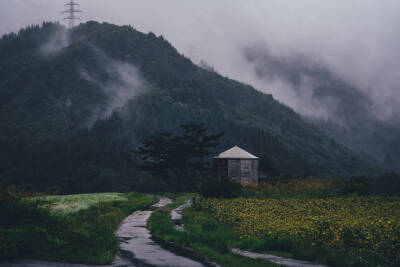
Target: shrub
column 361, row 186
column 24, row 222
column 388, row 184
column 282, row 187
column 220, row 187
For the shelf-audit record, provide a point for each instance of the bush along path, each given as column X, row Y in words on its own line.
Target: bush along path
column 177, row 218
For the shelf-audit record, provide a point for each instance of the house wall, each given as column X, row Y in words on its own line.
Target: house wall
column 234, row 170
column 244, row 171
column 249, row 171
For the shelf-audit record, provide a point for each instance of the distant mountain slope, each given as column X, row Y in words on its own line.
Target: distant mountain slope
column 73, row 104
column 349, row 114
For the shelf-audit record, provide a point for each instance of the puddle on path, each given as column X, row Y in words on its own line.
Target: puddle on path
column 177, row 214
column 138, row 247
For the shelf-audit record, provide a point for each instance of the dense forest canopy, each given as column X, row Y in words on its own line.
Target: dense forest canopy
column 74, row 103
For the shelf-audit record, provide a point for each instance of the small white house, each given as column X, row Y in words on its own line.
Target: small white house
column 237, row 164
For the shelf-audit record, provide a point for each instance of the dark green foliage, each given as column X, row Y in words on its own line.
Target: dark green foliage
column 220, row 187
column 387, row 184
column 55, row 131
column 25, row 225
column 30, row 230
column 178, row 154
column 287, row 187
column 310, row 187
column 358, row 185
column 267, row 168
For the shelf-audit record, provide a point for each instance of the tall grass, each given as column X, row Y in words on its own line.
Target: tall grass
column 72, row 203
column 30, row 229
column 204, row 235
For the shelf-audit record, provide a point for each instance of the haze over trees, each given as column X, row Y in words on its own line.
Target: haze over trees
column 341, row 110
column 74, row 103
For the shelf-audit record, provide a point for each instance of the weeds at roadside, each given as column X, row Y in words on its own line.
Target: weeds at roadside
column 203, row 234
column 29, row 229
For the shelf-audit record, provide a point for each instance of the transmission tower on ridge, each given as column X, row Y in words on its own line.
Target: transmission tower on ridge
column 71, row 11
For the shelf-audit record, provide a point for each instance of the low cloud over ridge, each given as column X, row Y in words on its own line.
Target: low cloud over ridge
column 356, row 41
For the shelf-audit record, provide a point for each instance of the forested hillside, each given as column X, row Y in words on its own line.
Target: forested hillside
column 74, row 103
column 341, row 110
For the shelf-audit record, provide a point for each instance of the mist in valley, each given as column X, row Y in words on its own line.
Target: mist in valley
column 335, row 63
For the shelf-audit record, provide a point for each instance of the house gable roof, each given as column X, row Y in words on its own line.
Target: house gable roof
column 236, row 153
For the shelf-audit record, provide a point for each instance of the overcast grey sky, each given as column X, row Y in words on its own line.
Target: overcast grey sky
column 358, row 40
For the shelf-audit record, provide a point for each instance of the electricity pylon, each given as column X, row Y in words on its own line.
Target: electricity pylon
column 71, row 11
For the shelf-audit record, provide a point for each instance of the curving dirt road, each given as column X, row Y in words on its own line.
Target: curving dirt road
column 136, row 247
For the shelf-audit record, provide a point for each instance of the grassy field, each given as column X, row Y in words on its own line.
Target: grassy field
column 76, row 228
column 203, row 234
column 72, row 203
column 350, row 231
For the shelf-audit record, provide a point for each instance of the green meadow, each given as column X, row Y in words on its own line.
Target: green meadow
column 67, row 204
column 73, row 228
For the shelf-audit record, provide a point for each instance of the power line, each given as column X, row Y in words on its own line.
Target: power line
column 71, row 11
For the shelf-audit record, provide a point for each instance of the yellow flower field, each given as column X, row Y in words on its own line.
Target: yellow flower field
column 367, row 223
